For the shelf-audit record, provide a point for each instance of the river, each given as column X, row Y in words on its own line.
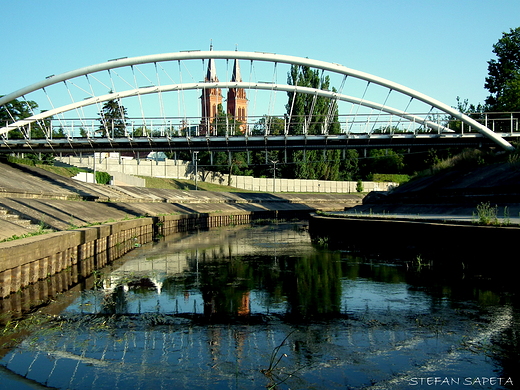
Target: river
column 255, row 307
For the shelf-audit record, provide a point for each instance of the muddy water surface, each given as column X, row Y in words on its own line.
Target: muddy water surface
column 261, row 307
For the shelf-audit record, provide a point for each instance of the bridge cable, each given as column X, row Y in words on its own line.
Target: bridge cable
column 293, row 100
column 405, row 110
column 249, row 93
column 333, row 104
column 360, row 104
column 271, row 100
column 33, row 114
column 6, row 134
column 140, row 103
column 80, row 114
column 180, row 96
column 252, row 71
column 120, row 106
column 308, row 119
column 161, row 102
column 381, row 110
column 98, row 104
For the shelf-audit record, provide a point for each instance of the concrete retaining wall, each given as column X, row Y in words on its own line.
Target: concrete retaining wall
column 123, row 171
column 26, row 261
column 465, row 239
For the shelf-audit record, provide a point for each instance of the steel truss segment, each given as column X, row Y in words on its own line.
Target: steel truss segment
column 257, row 56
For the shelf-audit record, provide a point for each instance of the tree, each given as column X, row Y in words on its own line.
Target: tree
column 113, row 117
column 503, row 81
column 16, row 110
column 383, row 161
column 312, row 114
column 465, row 107
column 269, row 125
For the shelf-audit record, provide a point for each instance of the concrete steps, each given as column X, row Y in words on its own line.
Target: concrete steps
column 9, row 216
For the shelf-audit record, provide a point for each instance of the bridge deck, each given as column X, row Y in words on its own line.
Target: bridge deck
column 238, row 143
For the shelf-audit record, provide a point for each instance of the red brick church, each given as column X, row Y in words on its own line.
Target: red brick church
column 236, row 102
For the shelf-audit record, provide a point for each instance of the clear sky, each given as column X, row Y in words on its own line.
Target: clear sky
column 438, row 47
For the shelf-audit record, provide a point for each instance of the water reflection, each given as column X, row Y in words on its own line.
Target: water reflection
column 254, row 307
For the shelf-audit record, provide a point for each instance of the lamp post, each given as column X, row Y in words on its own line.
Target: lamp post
column 195, row 160
column 274, row 174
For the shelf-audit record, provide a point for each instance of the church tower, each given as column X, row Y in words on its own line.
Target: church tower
column 210, row 99
column 237, row 100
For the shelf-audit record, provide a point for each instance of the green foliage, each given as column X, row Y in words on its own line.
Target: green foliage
column 16, row 110
column 42, row 229
column 32, row 159
column 503, row 81
column 113, row 117
column 468, row 158
column 103, row 177
column 487, row 214
column 311, row 114
column 20, row 160
column 382, row 161
column 463, row 106
column 270, row 125
column 359, row 186
column 389, row 177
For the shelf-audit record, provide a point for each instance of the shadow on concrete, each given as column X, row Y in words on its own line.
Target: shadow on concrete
column 56, row 180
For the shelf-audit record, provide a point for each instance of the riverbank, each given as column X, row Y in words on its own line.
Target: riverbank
column 31, row 198
column 454, row 240
column 88, row 225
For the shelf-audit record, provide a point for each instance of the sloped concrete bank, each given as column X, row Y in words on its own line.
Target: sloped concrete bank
column 118, row 219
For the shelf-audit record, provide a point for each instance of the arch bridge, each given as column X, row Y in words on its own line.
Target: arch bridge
column 160, row 105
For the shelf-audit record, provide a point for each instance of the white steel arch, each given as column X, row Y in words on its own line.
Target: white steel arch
column 252, row 56
column 191, row 86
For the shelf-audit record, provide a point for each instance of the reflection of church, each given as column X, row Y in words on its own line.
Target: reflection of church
column 211, row 99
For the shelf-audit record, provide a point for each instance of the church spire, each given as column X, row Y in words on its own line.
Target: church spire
column 211, row 74
column 237, row 100
column 211, row 99
column 236, row 76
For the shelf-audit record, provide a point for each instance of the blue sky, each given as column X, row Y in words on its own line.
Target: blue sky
column 439, row 48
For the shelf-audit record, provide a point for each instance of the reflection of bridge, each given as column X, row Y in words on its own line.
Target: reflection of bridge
column 368, row 111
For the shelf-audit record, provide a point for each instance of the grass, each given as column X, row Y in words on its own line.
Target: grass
column 42, row 229
column 487, row 215
column 387, row 177
column 62, row 171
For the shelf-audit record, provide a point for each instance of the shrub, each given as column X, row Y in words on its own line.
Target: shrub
column 103, row 178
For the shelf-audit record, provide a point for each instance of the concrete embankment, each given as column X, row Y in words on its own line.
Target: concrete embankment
column 122, row 217
column 444, row 211
column 80, row 251
column 393, row 234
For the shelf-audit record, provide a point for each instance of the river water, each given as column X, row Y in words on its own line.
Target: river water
column 255, row 307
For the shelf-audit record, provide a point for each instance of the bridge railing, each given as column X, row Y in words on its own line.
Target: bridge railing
column 350, row 124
